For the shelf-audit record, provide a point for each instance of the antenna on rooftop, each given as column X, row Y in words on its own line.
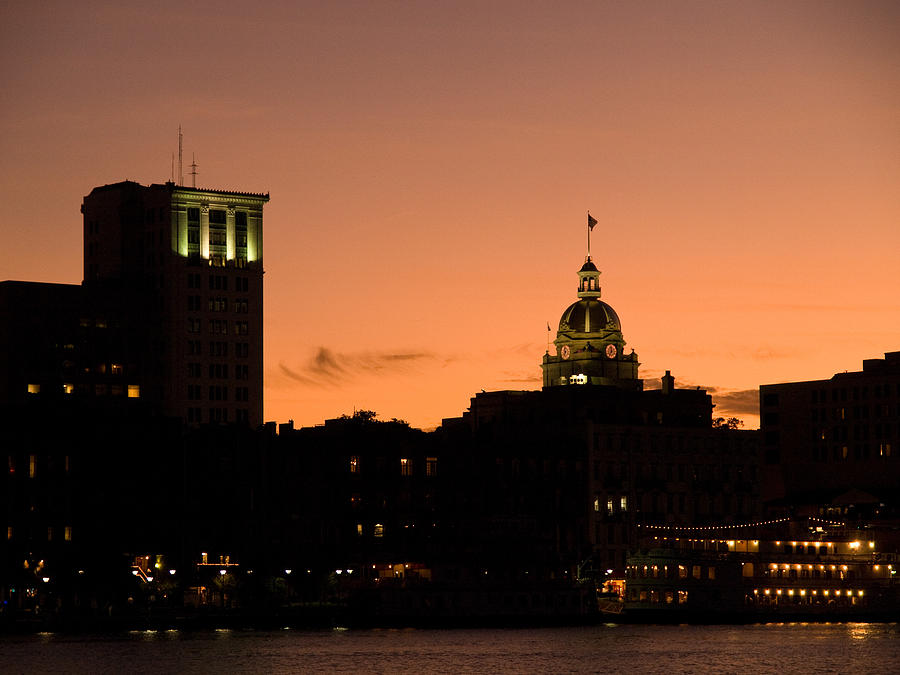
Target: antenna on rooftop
column 180, row 167
column 173, row 167
column 193, row 170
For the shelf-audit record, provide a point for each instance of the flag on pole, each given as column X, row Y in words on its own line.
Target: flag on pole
column 591, row 222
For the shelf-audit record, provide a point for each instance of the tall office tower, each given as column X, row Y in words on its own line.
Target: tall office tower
column 186, row 264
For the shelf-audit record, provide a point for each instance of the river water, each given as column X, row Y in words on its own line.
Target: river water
column 610, row 648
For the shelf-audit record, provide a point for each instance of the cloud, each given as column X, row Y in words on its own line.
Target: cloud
column 733, row 401
column 327, row 368
column 521, row 377
column 297, row 377
column 739, row 402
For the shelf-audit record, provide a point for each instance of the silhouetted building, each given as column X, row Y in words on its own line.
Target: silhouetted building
column 169, row 313
column 834, row 442
column 579, row 466
column 190, row 263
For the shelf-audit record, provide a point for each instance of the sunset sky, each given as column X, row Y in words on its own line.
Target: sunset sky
column 431, row 165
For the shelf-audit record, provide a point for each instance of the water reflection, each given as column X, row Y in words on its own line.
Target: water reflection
column 772, row 647
column 860, row 631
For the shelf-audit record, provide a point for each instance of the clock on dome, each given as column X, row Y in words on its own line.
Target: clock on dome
column 565, row 352
column 611, row 351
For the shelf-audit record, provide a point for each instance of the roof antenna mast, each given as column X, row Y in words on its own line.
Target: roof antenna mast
column 193, row 171
column 180, row 168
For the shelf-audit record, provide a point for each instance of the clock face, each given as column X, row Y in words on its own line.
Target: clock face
column 610, row 351
column 564, row 351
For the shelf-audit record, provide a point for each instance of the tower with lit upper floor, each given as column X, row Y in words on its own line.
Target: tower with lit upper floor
column 187, row 265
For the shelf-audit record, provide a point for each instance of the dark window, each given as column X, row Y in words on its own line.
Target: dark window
column 217, row 237
column 217, row 216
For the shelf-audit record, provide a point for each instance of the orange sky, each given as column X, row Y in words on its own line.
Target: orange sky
column 430, row 166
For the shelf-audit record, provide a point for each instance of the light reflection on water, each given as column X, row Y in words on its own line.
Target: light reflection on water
column 772, row 647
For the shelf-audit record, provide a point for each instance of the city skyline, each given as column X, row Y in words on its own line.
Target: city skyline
column 430, row 169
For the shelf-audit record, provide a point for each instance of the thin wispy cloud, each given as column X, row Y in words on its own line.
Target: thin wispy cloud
column 738, row 402
column 328, row 368
column 521, row 377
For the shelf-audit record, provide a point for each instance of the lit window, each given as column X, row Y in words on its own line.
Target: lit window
column 624, row 503
column 9, row 531
column 134, row 391
column 597, row 504
column 354, row 464
column 34, row 389
column 359, row 529
column 609, row 506
column 379, row 530
column 32, row 466
column 431, row 466
column 405, row 467
column 68, row 388
column 115, row 368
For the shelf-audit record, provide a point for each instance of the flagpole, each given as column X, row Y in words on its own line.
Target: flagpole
column 589, row 234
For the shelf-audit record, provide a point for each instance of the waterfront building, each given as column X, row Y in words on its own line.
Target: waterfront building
column 831, row 445
column 578, row 465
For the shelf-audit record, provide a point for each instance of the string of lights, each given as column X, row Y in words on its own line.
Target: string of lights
column 760, row 523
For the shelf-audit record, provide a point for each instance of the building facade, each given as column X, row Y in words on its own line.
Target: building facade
column 826, row 437
column 170, row 313
column 191, row 260
column 593, row 457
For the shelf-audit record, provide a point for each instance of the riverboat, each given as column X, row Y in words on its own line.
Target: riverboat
column 826, row 575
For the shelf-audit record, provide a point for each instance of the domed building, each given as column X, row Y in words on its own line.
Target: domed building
column 590, row 348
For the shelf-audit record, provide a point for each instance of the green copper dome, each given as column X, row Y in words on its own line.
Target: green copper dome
column 589, row 316
column 589, row 348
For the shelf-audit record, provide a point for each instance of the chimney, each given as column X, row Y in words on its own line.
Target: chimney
column 668, row 383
